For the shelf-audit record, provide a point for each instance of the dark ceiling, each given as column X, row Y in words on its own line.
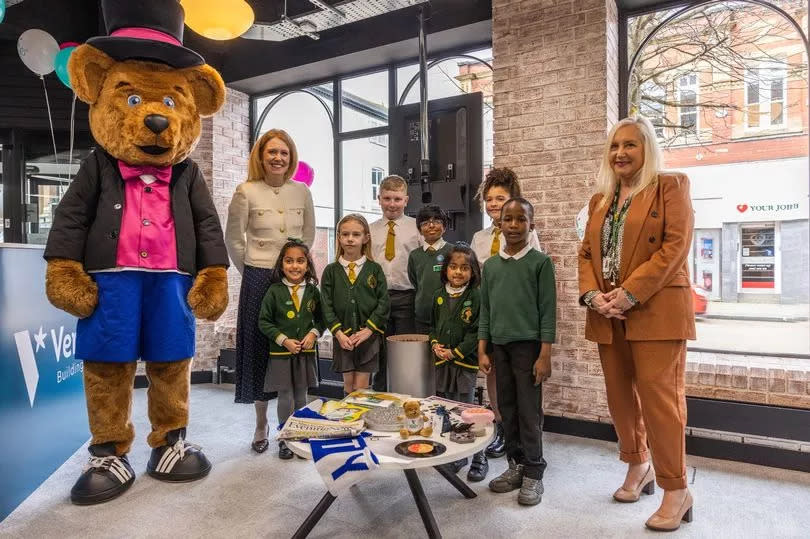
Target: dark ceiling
column 250, row 65
column 257, row 66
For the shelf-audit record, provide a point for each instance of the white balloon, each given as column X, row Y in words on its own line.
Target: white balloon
column 37, row 49
column 582, row 222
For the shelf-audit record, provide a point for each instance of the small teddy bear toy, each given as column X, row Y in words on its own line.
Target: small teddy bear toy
column 414, row 422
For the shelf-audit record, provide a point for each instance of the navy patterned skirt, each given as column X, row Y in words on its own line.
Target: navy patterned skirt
column 252, row 350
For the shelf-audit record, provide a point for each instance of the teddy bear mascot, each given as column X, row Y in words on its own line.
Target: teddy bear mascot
column 136, row 250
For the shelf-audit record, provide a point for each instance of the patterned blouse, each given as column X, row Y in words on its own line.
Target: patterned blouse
column 612, row 251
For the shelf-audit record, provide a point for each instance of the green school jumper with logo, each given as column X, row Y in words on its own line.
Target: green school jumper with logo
column 278, row 315
column 350, row 307
column 455, row 326
column 424, row 271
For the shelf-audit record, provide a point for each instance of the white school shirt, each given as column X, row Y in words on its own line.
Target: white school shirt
column 438, row 245
column 300, row 293
column 406, row 239
column 518, row 255
column 453, row 291
column 358, row 265
column 482, row 243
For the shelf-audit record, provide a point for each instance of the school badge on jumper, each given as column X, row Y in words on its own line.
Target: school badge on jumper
column 440, row 300
column 311, row 305
column 466, row 315
column 290, row 314
column 371, row 281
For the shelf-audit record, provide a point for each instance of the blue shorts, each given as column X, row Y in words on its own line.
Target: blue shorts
column 140, row 315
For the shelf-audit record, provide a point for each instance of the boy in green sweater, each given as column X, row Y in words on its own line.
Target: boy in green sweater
column 518, row 315
column 425, row 263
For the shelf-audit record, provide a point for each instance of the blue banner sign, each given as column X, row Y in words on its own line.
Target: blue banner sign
column 43, row 418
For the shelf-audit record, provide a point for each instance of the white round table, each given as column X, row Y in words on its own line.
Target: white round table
column 382, row 444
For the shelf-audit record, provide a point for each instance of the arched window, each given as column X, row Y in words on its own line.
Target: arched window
column 726, row 85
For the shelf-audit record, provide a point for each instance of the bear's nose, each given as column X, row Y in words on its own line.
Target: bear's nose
column 156, row 123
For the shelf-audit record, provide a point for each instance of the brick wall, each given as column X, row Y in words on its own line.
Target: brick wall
column 222, row 155
column 556, row 94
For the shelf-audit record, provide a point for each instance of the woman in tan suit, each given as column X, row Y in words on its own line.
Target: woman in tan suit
column 265, row 210
column 633, row 276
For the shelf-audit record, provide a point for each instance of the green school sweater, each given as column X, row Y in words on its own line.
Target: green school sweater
column 278, row 315
column 518, row 299
column 424, row 271
column 350, row 307
column 456, row 327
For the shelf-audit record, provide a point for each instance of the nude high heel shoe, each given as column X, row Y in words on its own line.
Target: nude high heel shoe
column 646, row 485
column 662, row 523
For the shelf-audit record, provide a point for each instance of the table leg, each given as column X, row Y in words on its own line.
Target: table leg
column 422, row 504
column 314, row 516
column 456, row 481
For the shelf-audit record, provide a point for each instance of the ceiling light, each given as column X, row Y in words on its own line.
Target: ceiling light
column 218, row 19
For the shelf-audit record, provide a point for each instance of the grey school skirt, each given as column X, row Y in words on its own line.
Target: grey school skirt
column 288, row 372
column 364, row 358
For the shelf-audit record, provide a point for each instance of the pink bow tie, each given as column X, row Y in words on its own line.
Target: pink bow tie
column 128, row 172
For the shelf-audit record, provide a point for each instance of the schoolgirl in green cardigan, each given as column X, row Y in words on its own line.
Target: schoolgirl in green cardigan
column 292, row 319
column 355, row 304
column 454, row 336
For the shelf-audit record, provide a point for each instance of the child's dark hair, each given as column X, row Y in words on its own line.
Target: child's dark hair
column 432, row 211
column 499, row 177
column 523, row 202
column 278, row 272
column 463, row 248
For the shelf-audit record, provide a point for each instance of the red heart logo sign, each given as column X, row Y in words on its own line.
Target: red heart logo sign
column 742, row 207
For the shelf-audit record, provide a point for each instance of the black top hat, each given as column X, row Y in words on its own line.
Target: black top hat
column 145, row 30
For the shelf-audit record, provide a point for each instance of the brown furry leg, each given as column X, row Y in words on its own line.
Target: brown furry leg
column 169, row 384
column 108, row 390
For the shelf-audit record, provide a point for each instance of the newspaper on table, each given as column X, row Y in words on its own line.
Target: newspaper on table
column 301, row 428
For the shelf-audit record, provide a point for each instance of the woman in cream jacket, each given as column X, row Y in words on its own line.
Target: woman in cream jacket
column 265, row 210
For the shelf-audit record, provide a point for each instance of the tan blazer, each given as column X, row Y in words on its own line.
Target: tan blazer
column 654, row 268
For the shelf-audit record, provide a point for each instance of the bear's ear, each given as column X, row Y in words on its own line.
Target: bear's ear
column 88, row 68
column 207, row 87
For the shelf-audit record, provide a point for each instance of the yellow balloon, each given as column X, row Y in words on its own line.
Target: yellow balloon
column 218, row 19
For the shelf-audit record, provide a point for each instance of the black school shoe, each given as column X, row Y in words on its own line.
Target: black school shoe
column 105, row 476
column 497, row 448
column 178, row 461
column 284, row 452
column 479, row 468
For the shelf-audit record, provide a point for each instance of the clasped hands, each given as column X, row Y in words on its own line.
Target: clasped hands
column 349, row 342
column 611, row 304
column 296, row 346
column 442, row 352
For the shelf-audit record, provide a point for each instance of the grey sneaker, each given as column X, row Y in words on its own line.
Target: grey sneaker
column 531, row 491
column 509, row 480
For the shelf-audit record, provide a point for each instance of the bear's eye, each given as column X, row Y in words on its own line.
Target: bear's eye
column 169, row 102
column 133, row 100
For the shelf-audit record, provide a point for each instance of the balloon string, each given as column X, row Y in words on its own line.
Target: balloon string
column 50, row 121
column 72, row 124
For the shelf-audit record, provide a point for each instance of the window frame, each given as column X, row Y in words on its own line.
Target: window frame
column 377, row 175
column 765, row 104
column 374, row 133
column 689, row 87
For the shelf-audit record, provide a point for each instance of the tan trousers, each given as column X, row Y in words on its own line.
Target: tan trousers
column 108, row 391
column 647, row 401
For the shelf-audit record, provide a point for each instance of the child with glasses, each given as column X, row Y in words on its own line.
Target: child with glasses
column 425, row 263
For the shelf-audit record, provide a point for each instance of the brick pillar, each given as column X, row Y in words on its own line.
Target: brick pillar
column 556, row 95
column 222, row 155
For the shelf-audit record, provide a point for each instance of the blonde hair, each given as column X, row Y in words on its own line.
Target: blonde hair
column 606, row 180
column 255, row 168
column 394, row 183
column 366, row 246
